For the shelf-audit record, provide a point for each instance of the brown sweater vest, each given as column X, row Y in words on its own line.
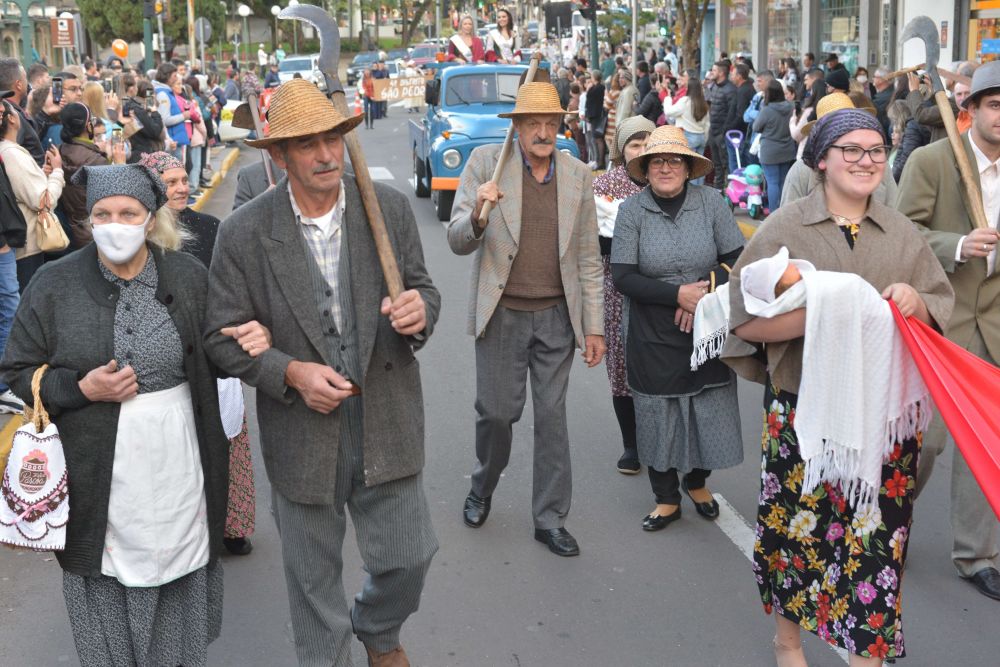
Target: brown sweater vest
column 535, row 282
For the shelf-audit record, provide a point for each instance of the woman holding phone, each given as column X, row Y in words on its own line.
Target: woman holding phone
column 147, row 127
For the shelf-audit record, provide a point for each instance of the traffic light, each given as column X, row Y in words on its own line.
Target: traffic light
column 588, row 9
column 664, row 27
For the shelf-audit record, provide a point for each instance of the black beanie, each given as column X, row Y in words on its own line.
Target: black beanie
column 838, row 79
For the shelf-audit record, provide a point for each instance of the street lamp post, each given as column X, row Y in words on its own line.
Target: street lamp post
column 275, row 10
column 244, row 12
column 295, row 27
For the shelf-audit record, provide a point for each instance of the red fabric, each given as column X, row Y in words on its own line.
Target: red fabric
column 966, row 391
column 478, row 51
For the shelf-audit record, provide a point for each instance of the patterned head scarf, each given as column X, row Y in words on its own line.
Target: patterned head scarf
column 131, row 180
column 160, row 161
column 832, row 127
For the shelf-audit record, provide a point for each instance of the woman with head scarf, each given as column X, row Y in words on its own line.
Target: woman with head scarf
column 133, row 394
column 203, row 228
column 610, row 190
column 672, row 243
column 823, row 562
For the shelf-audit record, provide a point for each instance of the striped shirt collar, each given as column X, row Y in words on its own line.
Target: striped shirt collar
column 329, row 222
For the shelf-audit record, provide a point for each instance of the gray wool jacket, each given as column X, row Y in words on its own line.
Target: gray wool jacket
column 66, row 319
column 260, row 272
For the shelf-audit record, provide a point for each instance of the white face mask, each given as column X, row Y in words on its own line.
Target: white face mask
column 119, row 242
column 862, row 79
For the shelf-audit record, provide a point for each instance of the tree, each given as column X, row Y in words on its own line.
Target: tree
column 106, row 21
column 410, row 27
column 690, row 17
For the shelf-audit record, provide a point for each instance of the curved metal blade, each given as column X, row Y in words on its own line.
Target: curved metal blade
column 925, row 28
column 329, row 40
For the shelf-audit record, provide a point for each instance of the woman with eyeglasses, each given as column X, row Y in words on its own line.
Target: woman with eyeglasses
column 820, row 564
column 133, row 394
column 671, row 244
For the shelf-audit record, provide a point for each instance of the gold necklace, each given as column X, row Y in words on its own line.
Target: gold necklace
column 844, row 221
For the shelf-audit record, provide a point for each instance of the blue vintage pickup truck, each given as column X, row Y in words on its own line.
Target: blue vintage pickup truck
column 462, row 106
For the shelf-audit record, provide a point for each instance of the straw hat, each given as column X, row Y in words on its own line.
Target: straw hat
column 669, row 139
column 299, row 109
column 829, row 104
column 535, row 98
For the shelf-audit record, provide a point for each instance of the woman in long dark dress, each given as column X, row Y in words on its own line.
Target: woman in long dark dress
column 669, row 240
column 610, row 189
column 820, row 564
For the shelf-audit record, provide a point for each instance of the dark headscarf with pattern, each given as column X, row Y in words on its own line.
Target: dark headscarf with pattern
column 832, row 127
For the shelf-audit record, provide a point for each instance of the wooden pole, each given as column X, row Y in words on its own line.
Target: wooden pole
column 507, row 143
column 972, row 194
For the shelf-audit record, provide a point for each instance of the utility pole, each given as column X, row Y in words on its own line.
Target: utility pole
column 191, row 50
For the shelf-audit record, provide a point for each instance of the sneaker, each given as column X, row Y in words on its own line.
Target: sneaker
column 628, row 464
column 11, row 404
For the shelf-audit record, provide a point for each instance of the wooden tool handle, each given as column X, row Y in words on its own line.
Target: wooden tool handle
column 507, row 144
column 973, row 197
column 259, row 128
column 386, row 255
column 906, row 70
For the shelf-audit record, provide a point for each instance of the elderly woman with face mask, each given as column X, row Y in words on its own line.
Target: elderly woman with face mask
column 119, row 323
column 670, row 242
column 203, row 229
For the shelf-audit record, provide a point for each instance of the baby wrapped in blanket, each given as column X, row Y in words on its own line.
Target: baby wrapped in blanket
column 860, row 392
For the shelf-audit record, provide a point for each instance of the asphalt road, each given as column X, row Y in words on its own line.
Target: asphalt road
column 495, row 597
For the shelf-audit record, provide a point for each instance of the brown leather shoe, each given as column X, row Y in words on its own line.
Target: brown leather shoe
column 394, row 658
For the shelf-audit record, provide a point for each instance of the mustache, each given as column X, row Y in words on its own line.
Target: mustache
column 542, row 140
column 328, row 166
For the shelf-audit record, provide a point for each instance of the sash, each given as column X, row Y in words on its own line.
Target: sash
column 506, row 45
column 462, row 47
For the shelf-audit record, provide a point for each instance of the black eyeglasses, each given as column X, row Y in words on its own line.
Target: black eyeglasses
column 852, row 154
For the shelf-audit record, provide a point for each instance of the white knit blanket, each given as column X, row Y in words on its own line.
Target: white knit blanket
column 860, row 391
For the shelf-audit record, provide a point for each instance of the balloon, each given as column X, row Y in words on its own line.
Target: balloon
column 120, row 48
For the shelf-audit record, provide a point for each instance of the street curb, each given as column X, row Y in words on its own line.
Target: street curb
column 227, row 163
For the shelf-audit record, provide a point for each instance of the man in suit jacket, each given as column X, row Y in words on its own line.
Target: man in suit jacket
column 536, row 294
column 338, row 391
column 931, row 194
column 251, row 181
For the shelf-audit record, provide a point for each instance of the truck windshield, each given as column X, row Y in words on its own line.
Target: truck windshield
column 486, row 88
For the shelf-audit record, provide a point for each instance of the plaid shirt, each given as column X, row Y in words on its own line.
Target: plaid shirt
column 323, row 237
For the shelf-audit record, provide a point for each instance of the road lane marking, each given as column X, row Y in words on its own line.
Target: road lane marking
column 381, row 174
column 739, row 532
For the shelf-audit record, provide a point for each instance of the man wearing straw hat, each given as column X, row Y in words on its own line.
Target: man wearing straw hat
column 338, row 391
column 536, row 294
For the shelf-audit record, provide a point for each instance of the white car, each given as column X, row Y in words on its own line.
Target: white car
column 303, row 65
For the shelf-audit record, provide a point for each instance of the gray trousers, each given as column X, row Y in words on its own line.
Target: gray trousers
column 515, row 344
column 396, row 540
column 973, row 523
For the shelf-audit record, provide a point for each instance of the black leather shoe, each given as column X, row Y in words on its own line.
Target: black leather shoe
column 237, row 546
column 653, row 523
column 708, row 510
column 987, row 582
column 476, row 510
column 559, row 541
column 628, row 464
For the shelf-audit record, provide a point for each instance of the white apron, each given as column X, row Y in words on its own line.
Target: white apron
column 157, row 518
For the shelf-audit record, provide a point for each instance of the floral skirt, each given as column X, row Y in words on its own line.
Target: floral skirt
column 614, row 357
column 242, row 496
column 835, row 572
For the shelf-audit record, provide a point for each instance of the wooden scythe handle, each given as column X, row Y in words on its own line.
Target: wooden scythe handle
column 386, row 255
column 507, row 143
column 906, row 70
column 259, row 127
column 973, row 197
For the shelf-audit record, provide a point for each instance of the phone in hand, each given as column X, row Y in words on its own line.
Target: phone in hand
column 150, row 101
column 116, row 137
column 107, row 85
column 57, row 89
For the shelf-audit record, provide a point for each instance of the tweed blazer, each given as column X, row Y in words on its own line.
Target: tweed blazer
column 496, row 248
column 889, row 250
column 259, row 272
column 931, row 194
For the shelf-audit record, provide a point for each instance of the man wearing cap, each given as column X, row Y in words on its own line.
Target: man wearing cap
column 801, row 180
column 338, row 393
column 930, row 194
column 536, row 294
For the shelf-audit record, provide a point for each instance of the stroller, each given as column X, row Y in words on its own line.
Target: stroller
column 746, row 187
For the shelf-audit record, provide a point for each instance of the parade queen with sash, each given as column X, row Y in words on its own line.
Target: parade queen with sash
column 464, row 46
column 502, row 41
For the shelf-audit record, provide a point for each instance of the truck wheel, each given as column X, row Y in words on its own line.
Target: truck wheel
column 420, row 172
column 445, row 198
